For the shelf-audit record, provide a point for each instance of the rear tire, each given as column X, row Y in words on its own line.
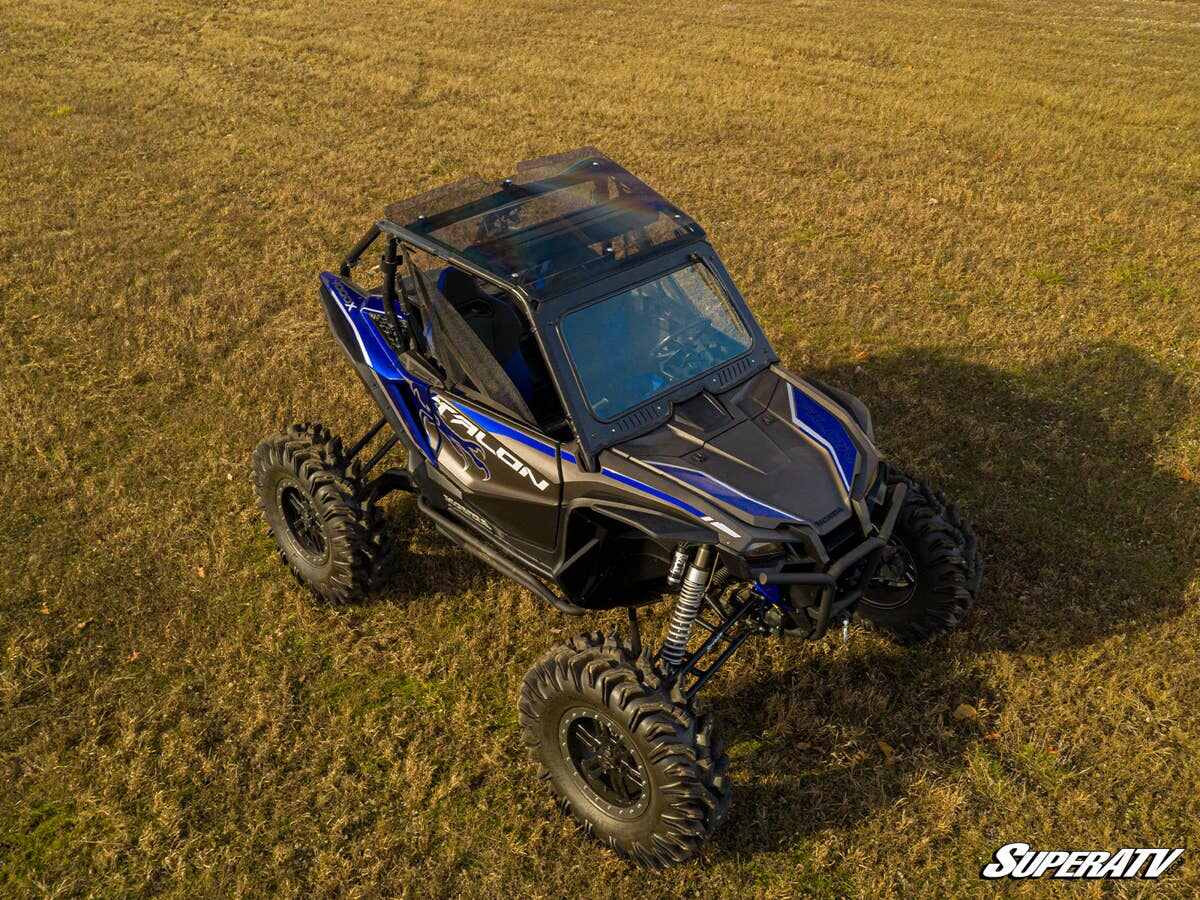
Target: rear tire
column 327, row 537
column 637, row 770
column 931, row 573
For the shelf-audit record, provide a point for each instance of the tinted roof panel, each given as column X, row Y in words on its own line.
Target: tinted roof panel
column 560, row 220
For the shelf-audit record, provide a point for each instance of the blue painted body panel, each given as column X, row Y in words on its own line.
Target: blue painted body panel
column 827, row 430
column 719, row 490
column 652, row 491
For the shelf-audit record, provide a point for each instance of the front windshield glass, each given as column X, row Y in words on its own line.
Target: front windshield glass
column 635, row 344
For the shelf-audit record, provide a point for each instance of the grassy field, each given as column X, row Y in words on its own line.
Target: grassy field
column 979, row 216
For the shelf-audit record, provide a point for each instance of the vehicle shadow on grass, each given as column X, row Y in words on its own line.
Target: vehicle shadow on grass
column 1084, row 529
column 1085, row 532
column 417, row 561
column 840, row 737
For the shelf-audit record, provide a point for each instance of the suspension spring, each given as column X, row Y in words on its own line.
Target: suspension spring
column 687, row 607
column 721, row 579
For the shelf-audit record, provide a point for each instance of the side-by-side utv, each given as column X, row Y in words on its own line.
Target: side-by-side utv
column 586, row 404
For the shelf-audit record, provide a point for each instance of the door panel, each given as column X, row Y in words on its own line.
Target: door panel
column 509, row 473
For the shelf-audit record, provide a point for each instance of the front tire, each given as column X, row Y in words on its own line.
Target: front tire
column 637, row 770
column 931, row 571
column 325, row 535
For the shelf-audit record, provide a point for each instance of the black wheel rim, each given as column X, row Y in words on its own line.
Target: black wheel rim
column 895, row 581
column 604, row 762
column 303, row 525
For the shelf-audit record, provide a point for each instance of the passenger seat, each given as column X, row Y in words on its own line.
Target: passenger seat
column 493, row 318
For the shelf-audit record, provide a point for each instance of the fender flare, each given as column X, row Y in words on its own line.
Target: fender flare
column 852, row 405
column 661, row 528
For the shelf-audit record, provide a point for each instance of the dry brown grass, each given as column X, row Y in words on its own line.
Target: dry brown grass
column 980, row 216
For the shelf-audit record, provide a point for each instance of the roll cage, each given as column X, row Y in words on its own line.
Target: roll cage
column 402, row 279
column 593, row 434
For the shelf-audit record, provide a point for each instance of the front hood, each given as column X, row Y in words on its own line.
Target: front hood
column 776, row 449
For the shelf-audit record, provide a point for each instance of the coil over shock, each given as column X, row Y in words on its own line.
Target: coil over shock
column 687, row 607
column 678, row 566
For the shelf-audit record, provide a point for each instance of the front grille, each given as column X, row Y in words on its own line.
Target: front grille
column 842, row 538
column 731, row 373
column 638, row 419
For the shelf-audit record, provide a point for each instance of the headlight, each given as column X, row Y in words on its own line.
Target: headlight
column 878, row 492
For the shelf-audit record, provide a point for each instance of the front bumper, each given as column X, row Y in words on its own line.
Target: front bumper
column 836, row 595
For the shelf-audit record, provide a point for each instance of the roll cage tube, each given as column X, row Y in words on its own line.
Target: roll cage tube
column 526, row 303
column 387, row 265
column 360, row 248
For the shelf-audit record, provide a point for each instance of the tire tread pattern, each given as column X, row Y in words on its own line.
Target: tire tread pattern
column 308, row 452
column 682, row 744
column 939, row 533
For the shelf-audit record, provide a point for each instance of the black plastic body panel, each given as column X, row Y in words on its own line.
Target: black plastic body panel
column 731, row 458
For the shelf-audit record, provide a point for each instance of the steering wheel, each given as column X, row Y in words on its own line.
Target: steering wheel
column 675, row 350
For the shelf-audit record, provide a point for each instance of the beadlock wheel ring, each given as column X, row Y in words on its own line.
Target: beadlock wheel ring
column 303, row 527
column 896, row 581
column 604, row 762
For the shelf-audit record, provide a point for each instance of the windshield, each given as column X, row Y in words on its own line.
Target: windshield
column 635, row 344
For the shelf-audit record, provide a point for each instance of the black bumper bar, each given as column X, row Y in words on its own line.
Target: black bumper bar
column 870, row 550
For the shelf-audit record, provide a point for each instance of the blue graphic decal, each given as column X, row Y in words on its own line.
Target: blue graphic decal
column 652, row 491
column 399, row 393
column 719, row 490
column 824, row 427
column 470, row 450
column 378, row 354
column 495, row 427
column 410, row 396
